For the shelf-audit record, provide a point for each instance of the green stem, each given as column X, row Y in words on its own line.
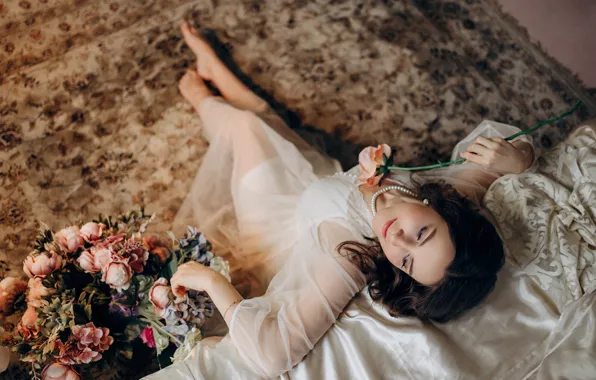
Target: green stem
column 159, row 326
column 520, row 133
column 549, row 121
column 435, row 166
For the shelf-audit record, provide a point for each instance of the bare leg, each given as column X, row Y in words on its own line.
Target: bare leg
column 212, row 69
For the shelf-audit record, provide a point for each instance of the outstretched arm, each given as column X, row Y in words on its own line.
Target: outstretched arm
column 274, row 332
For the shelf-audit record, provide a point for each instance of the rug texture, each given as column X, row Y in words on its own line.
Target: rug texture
column 91, row 120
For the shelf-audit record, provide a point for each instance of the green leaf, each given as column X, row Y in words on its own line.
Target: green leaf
column 161, row 340
column 169, row 269
column 132, row 331
column 389, row 161
column 144, row 283
column 88, row 311
column 126, row 351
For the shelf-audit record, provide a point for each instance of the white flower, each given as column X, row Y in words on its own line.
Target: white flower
column 221, row 266
column 190, row 341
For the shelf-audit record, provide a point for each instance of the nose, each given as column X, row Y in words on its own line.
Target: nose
column 399, row 239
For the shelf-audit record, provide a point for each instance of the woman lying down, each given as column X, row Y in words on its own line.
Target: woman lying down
column 424, row 248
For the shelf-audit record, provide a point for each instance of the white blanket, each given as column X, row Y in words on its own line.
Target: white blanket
column 539, row 323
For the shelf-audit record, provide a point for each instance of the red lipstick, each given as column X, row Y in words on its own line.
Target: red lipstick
column 386, row 227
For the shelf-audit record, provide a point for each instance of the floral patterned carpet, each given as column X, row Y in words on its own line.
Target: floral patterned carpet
column 91, row 120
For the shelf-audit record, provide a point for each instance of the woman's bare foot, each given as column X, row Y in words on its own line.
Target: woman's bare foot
column 193, row 89
column 211, row 68
column 207, row 60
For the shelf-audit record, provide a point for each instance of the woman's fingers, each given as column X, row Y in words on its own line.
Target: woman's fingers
column 177, row 284
column 179, row 291
column 489, row 143
column 479, row 149
column 474, row 158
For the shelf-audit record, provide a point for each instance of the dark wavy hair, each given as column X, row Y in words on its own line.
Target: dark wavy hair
column 469, row 278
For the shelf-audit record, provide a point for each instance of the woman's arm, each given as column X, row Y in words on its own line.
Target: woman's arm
column 274, row 332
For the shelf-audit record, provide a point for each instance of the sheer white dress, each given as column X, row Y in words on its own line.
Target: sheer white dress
column 277, row 209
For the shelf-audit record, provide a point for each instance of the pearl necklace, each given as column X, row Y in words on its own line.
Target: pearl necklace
column 401, row 189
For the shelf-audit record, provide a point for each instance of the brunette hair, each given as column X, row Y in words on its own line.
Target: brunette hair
column 469, row 278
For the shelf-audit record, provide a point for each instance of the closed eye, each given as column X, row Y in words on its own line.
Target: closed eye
column 421, row 232
column 405, row 261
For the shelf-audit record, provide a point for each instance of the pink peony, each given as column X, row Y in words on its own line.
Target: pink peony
column 10, row 289
column 117, row 273
column 102, row 257
column 30, row 317
column 95, row 260
column 42, row 264
column 36, row 292
column 111, row 240
column 160, row 295
column 85, row 344
column 87, row 262
column 147, row 337
column 92, row 231
column 96, row 337
column 70, row 353
column 68, row 239
column 371, row 158
column 57, row 371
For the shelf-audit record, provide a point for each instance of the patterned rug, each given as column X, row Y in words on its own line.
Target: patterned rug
column 91, row 120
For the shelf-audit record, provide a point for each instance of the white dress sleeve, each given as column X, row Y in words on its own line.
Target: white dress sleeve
column 274, row 332
column 470, row 179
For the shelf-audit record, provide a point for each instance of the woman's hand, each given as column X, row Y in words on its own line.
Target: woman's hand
column 499, row 155
column 193, row 275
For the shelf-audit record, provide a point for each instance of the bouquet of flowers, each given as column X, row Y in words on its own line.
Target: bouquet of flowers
column 97, row 288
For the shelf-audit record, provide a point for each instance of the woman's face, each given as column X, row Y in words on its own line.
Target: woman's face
column 415, row 239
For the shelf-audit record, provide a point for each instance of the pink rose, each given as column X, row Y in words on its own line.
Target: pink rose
column 94, row 260
column 42, row 264
column 68, row 239
column 57, row 371
column 102, row 257
column 147, row 337
column 29, row 318
column 87, row 262
column 36, row 292
column 117, row 273
column 10, row 289
column 91, row 231
column 371, row 158
column 160, row 295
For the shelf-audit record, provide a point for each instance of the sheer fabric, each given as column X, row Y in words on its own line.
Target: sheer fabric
column 273, row 205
